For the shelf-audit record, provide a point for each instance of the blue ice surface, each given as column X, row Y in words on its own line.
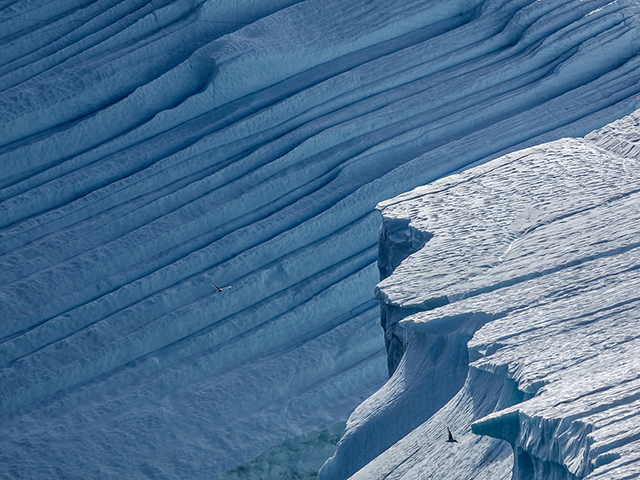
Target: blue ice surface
column 150, row 149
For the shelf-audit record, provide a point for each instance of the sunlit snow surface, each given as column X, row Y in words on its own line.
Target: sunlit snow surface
column 150, row 148
column 538, row 253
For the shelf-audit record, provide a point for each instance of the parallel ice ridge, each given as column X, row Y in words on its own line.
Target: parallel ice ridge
column 539, row 250
column 149, row 148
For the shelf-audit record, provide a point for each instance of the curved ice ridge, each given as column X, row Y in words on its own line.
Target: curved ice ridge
column 537, row 253
column 150, row 148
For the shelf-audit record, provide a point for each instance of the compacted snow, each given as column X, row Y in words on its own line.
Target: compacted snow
column 534, row 260
column 149, row 149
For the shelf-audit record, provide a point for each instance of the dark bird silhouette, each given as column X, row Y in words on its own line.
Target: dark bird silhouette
column 450, row 439
column 217, row 288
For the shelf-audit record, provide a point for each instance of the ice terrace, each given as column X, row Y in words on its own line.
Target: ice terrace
column 533, row 262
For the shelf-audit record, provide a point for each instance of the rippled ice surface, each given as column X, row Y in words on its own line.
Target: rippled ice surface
column 148, row 149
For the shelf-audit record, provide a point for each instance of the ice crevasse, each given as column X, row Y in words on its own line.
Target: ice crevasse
column 518, row 320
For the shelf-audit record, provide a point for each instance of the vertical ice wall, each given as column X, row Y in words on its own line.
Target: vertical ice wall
column 150, row 148
column 397, row 240
column 534, row 260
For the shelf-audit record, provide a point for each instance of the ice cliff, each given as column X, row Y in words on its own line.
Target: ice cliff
column 150, row 148
column 520, row 319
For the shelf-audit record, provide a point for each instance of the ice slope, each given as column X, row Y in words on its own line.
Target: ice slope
column 149, row 148
column 534, row 260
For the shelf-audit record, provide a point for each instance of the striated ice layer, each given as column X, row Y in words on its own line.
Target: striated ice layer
column 149, row 149
column 534, row 260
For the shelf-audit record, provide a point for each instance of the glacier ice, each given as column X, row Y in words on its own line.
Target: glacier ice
column 533, row 258
column 148, row 149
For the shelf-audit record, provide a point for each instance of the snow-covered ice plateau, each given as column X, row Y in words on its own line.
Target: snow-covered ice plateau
column 523, row 308
column 149, row 149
